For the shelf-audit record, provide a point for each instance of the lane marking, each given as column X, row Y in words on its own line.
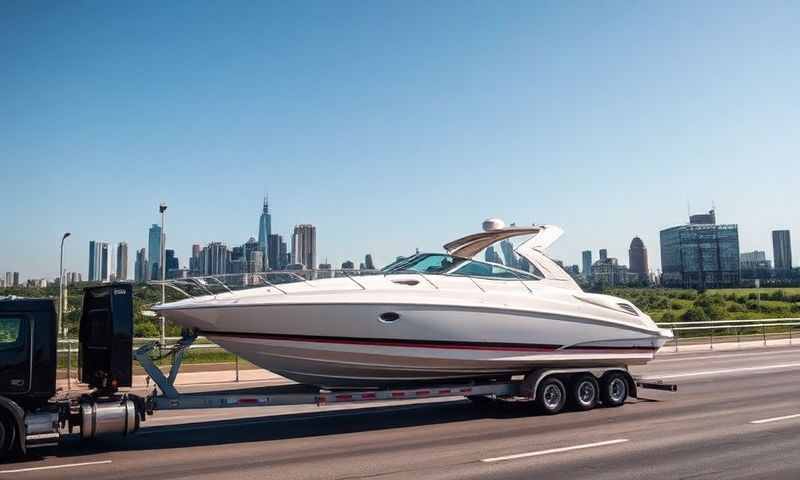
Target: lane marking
column 775, row 419
column 554, row 450
column 723, row 371
column 53, row 467
column 721, row 356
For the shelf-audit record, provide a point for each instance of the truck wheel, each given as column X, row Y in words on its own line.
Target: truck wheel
column 584, row 392
column 551, row 395
column 615, row 389
column 7, row 436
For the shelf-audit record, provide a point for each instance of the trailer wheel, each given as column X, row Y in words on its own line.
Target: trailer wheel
column 584, row 392
column 551, row 395
column 614, row 389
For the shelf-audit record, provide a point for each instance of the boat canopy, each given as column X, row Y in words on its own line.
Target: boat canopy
column 470, row 245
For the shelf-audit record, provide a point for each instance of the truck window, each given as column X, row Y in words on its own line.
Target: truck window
column 9, row 331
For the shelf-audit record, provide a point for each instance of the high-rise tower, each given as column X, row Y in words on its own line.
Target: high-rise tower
column 264, row 231
column 782, row 250
column 637, row 254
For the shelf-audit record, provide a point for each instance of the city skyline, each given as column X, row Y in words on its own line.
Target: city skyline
column 605, row 120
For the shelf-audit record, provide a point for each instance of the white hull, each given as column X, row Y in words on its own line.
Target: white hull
column 342, row 344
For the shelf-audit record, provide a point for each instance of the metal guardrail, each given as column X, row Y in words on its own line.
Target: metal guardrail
column 713, row 326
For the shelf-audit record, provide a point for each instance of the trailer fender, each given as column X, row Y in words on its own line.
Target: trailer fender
column 17, row 414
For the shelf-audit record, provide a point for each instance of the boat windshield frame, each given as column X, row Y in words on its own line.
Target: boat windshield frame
column 457, row 263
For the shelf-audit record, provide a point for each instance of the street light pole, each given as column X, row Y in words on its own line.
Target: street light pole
column 61, row 285
column 163, row 208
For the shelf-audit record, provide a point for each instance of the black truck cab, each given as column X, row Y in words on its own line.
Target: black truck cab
column 27, row 350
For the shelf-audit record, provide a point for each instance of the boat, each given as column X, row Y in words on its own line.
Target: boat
column 428, row 318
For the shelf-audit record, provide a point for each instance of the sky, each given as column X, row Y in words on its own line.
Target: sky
column 393, row 125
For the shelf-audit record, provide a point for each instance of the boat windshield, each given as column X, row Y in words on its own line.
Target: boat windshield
column 441, row 264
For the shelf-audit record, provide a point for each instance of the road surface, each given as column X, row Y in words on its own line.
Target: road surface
column 736, row 416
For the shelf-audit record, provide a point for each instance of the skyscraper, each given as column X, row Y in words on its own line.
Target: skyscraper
column 304, row 245
column 16, row 279
column 99, row 261
column 637, row 254
column 586, row 258
column 171, row 263
column 140, row 267
column 603, row 254
column 368, row 263
column 9, row 279
column 216, row 259
column 700, row 255
column 508, row 253
column 782, row 250
column 348, row 265
column 264, row 231
column 491, row 255
column 154, row 252
column 122, row 261
column 195, row 265
column 277, row 252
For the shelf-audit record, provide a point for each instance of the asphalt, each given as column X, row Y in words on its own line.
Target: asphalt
column 703, row 431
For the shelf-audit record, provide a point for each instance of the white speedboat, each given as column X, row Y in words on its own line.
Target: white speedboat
column 432, row 317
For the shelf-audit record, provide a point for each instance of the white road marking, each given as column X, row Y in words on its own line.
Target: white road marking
column 775, row 419
column 723, row 371
column 53, row 467
column 722, row 356
column 554, row 450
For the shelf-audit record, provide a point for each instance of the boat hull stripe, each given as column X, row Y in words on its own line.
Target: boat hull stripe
column 413, row 343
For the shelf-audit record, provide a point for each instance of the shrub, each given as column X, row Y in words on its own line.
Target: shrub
column 668, row 317
column 695, row 314
column 736, row 308
column 676, row 305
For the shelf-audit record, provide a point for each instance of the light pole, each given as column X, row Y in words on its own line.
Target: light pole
column 161, row 209
column 61, row 285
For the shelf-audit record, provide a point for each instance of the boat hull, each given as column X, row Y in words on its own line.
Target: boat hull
column 338, row 345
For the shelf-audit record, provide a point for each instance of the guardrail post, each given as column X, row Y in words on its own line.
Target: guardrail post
column 790, row 334
column 677, row 334
column 711, row 344
column 237, row 368
column 738, row 331
column 764, row 333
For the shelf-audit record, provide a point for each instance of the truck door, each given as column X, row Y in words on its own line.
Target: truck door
column 16, row 339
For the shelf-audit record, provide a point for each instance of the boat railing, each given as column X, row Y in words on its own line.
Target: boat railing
column 214, row 285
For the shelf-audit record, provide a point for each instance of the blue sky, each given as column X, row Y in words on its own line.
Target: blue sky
column 393, row 125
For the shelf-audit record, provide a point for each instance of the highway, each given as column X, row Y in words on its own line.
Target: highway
column 736, row 416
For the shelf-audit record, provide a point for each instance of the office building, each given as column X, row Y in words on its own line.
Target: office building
column 325, row 270
column 348, row 265
column 508, row 254
column 782, row 251
column 99, row 261
column 9, row 279
column 15, row 279
column 637, row 256
column 304, row 245
column 195, row 265
column 216, row 259
column 603, row 254
column 264, row 231
column 154, row 240
column 700, row 255
column 276, row 248
column 171, row 263
column 490, row 255
column 368, row 263
column 754, row 265
column 122, row 261
column 709, row 218
column 140, row 266
column 586, row 258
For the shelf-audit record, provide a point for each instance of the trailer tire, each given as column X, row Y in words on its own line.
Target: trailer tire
column 584, row 392
column 551, row 395
column 614, row 389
